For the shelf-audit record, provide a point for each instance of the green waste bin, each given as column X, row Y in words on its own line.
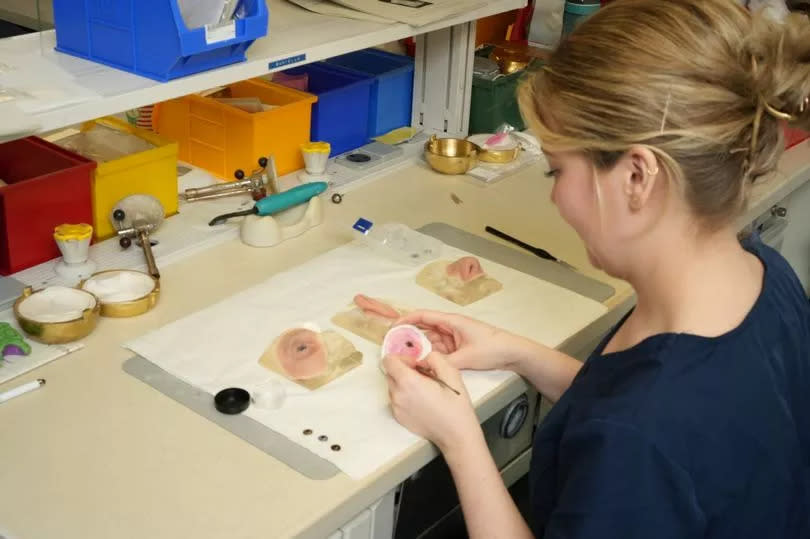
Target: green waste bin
column 494, row 102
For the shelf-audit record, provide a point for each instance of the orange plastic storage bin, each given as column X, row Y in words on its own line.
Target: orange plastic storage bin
column 221, row 138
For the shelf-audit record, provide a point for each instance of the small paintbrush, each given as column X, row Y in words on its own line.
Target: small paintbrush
column 431, row 375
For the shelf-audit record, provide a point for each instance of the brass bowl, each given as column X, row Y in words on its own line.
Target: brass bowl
column 494, row 155
column 57, row 332
column 451, row 155
column 127, row 309
column 510, row 61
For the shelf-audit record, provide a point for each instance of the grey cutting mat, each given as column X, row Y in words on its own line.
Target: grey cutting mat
column 520, row 260
column 292, row 454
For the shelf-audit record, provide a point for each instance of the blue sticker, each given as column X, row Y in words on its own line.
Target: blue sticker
column 287, row 61
column 363, row 225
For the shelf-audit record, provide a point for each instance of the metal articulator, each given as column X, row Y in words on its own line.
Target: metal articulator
column 258, row 185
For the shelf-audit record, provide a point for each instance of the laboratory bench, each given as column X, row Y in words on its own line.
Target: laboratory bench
column 97, row 453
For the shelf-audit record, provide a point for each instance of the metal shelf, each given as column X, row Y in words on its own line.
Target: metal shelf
column 296, row 36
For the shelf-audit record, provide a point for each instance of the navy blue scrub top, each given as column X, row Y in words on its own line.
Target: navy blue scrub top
column 684, row 436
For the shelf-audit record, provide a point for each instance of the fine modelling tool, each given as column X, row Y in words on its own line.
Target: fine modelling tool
column 430, row 374
column 276, row 203
column 542, row 253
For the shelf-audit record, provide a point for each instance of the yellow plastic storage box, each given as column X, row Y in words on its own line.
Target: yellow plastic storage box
column 222, row 139
column 151, row 172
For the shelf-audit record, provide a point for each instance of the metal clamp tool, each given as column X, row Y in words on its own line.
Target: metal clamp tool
column 258, row 185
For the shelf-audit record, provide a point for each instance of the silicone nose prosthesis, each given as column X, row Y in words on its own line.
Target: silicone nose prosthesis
column 467, row 268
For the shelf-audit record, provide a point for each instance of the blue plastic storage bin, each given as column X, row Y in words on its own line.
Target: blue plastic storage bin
column 340, row 117
column 150, row 38
column 392, row 93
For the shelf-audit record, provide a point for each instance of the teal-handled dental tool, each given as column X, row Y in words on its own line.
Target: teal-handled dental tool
column 278, row 202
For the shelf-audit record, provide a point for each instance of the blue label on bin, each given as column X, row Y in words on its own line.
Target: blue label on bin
column 287, row 61
column 363, row 225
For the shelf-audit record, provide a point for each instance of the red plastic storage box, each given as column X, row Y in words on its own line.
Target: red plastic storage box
column 795, row 136
column 45, row 186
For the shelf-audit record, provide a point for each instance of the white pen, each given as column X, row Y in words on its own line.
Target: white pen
column 21, row 390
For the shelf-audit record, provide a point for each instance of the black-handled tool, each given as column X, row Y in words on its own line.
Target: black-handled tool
column 542, row 253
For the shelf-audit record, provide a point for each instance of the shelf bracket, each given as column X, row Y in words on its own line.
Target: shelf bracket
column 443, row 79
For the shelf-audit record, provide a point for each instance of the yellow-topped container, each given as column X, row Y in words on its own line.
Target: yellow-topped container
column 68, row 232
column 223, row 138
column 151, row 172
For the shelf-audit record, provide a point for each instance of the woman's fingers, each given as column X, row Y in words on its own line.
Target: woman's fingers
column 435, row 319
column 442, row 368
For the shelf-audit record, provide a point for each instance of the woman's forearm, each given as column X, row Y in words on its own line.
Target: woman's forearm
column 489, row 511
column 548, row 370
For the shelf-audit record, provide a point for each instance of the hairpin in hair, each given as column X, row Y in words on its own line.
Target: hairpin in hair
column 776, row 113
column 666, row 112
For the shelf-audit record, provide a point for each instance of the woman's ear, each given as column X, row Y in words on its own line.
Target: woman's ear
column 643, row 173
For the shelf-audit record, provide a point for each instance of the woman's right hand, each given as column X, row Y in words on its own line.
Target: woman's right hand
column 467, row 343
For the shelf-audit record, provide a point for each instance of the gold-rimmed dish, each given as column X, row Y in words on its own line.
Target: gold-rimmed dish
column 50, row 329
column 451, row 155
column 140, row 297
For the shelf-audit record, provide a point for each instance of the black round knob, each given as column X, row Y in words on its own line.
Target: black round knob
column 125, row 242
column 239, row 174
column 337, row 198
column 262, row 162
column 119, row 214
column 231, row 401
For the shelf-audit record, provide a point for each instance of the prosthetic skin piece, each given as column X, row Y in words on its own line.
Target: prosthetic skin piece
column 407, row 343
column 368, row 318
column 311, row 358
column 463, row 282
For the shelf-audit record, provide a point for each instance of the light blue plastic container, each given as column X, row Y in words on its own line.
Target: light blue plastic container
column 150, row 38
column 576, row 12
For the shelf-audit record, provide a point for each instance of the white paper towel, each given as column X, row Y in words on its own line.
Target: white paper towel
column 219, row 347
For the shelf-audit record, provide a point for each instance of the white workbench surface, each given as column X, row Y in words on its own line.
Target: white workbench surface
column 99, row 454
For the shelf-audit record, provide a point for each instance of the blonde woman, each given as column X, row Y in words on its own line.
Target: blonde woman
column 692, row 418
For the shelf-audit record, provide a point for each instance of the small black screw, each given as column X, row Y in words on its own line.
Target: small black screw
column 323, row 437
column 336, row 447
column 262, row 162
column 337, row 198
column 119, row 214
column 125, row 242
column 239, row 174
column 307, row 432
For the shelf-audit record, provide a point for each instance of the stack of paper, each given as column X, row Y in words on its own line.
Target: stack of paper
column 413, row 12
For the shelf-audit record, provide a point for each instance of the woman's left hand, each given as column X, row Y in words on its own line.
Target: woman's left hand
column 427, row 408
